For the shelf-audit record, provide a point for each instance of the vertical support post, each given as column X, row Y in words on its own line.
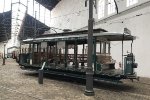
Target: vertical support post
column 66, row 53
column 56, row 60
column 89, row 72
column 100, row 47
column 4, row 54
column 47, row 52
column 132, row 46
column 82, row 63
column 56, row 48
column 109, row 48
column 25, row 50
column 20, row 52
column 76, row 54
column 37, row 47
column 60, row 55
column 95, row 54
column 39, row 56
column 40, row 76
column 30, row 48
column 20, row 47
column 83, row 50
column 33, row 45
column 105, row 48
column 122, row 52
column 50, row 54
column 29, row 52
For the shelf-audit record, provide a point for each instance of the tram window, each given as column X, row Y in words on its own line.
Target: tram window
column 80, row 49
column 107, row 48
column 35, row 48
column 55, row 49
column 86, row 49
column 62, row 50
column 71, row 49
column 102, row 47
column 98, row 48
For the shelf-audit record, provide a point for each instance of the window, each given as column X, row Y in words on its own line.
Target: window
column 30, row 8
column 131, row 2
column 47, row 17
column 101, row 8
column 18, row 13
column 111, row 7
column 23, row 2
column 42, row 13
column 36, row 9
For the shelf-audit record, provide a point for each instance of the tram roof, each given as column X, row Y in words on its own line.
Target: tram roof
column 108, row 36
column 79, row 32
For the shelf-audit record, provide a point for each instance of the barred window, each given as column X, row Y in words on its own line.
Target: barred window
column 101, row 8
column 111, row 7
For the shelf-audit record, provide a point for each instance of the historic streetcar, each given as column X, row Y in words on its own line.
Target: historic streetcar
column 66, row 54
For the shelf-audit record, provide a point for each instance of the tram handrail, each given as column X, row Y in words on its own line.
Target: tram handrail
column 43, row 66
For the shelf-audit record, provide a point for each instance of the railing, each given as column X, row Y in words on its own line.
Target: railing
column 43, row 66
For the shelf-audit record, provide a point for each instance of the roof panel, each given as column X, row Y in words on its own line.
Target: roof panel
column 49, row 4
column 29, row 27
column 5, row 26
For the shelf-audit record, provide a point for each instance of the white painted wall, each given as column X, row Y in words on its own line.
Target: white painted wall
column 72, row 14
column 69, row 14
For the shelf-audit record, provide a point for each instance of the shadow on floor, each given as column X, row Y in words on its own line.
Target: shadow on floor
column 117, row 87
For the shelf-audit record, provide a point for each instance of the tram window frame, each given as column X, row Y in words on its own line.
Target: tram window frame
column 107, row 48
column 98, row 48
column 104, row 47
column 36, row 48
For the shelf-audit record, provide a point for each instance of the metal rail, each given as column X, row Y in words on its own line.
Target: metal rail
column 43, row 66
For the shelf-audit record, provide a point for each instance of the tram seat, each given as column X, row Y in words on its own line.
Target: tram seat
column 105, row 61
column 50, row 60
column 104, row 58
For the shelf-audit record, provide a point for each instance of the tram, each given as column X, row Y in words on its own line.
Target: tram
column 65, row 54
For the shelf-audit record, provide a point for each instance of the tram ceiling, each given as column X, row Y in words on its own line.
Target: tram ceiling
column 49, row 4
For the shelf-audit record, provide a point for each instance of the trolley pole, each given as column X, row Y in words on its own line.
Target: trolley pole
column 89, row 71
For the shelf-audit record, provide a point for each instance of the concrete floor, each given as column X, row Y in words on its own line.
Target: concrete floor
column 17, row 84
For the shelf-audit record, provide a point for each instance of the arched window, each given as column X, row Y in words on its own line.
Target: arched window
column 131, row 2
